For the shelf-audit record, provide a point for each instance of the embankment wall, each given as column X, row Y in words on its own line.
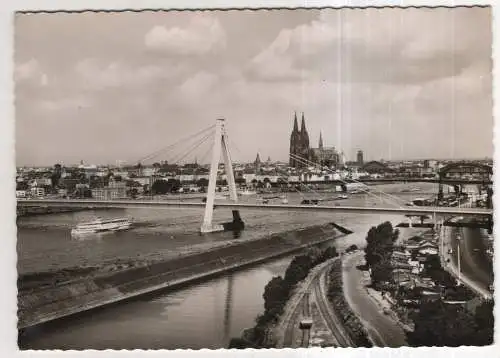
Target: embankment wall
column 36, row 306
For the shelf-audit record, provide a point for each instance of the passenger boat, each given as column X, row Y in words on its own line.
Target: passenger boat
column 102, row 225
column 247, row 192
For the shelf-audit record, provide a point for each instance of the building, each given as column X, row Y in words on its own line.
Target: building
column 21, row 194
column 360, row 158
column 326, row 156
column 301, row 152
column 299, row 145
column 115, row 190
column 37, row 192
column 257, row 164
column 375, row 167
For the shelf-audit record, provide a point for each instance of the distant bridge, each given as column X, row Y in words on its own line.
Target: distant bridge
column 392, row 180
column 94, row 204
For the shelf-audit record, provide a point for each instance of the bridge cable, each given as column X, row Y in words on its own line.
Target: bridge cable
column 182, row 140
column 305, row 161
column 300, row 159
column 291, row 186
column 193, row 147
column 176, row 154
column 177, row 151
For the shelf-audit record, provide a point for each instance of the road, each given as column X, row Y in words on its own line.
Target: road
column 475, row 268
column 383, row 330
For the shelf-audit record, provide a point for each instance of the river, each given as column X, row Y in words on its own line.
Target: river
column 205, row 315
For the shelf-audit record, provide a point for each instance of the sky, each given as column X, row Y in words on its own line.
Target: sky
column 395, row 83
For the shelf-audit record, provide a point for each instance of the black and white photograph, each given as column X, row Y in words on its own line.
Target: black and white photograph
column 254, row 178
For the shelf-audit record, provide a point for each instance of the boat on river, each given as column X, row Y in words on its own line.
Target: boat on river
column 102, row 225
column 247, row 192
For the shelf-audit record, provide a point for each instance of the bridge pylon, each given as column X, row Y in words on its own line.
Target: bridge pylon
column 220, row 146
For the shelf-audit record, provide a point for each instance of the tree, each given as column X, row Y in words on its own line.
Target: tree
column 133, row 192
column 485, row 323
column 439, row 324
column 160, row 187
column 240, row 343
column 298, row 269
column 22, row 186
column 174, row 184
column 202, row 182
column 240, row 180
column 275, row 294
column 379, row 248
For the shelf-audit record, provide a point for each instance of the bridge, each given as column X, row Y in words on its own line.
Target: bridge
column 455, row 181
column 123, row 204
column 221, row 148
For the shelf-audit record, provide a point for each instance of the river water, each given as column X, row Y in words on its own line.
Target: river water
column 205, row 315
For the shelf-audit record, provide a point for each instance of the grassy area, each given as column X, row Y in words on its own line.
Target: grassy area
column 336, row 297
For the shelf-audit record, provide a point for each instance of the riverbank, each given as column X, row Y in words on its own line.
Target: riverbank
column 286, row 302
column 43, row 298
column 36, row 211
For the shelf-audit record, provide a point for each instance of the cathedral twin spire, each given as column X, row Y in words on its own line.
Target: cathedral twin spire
column 299, row 142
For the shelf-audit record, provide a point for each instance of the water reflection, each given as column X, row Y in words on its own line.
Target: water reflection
column 227, row 308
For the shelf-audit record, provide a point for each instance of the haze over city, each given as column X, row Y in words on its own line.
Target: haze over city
column 103, row 87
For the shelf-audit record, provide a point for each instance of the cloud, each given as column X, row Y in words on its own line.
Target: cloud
column 274, row 63
column 370, row 45
column 96, row 74
column 198, row 85
column 202, row 35
column 64, row 104
column 31, row 71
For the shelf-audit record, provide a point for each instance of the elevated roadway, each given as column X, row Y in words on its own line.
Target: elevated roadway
column 444, row 181
column 120, row 204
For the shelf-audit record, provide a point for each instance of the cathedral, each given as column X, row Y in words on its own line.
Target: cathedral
column 299, row 147
column 299, row 144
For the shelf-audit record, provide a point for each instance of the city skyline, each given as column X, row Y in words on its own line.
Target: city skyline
column 132, row 83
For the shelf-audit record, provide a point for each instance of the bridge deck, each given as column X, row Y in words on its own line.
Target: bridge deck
column 89, row 203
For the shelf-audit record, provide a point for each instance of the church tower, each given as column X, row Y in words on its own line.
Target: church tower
column 257, row 164
column 320, row 144
column 295, row 140
column 304, row 135
column 304, row 143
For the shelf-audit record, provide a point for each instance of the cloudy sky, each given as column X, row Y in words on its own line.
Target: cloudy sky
column 396, row 83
